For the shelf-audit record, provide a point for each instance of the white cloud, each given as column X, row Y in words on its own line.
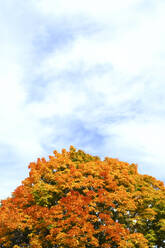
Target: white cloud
column 145, row 138
column 96, row 9
column 59, row 101
column 133, row 56
column 133, row 51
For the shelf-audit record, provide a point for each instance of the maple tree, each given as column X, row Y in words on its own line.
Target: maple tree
column 77, row 200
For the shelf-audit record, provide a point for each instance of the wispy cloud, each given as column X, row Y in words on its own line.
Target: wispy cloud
column 86, row 73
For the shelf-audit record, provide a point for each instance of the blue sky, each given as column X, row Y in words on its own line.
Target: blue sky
column 84, row 73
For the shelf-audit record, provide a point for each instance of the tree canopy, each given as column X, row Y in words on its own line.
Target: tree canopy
column 76, row 200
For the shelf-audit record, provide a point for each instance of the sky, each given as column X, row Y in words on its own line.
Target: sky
column 85, row 73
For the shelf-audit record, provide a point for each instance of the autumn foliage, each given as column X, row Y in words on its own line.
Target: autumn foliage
column 77, row 200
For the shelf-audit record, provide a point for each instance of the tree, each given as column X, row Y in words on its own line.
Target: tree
column 77, row 200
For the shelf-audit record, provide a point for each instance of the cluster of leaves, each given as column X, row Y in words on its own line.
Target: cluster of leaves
column 77, row 200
